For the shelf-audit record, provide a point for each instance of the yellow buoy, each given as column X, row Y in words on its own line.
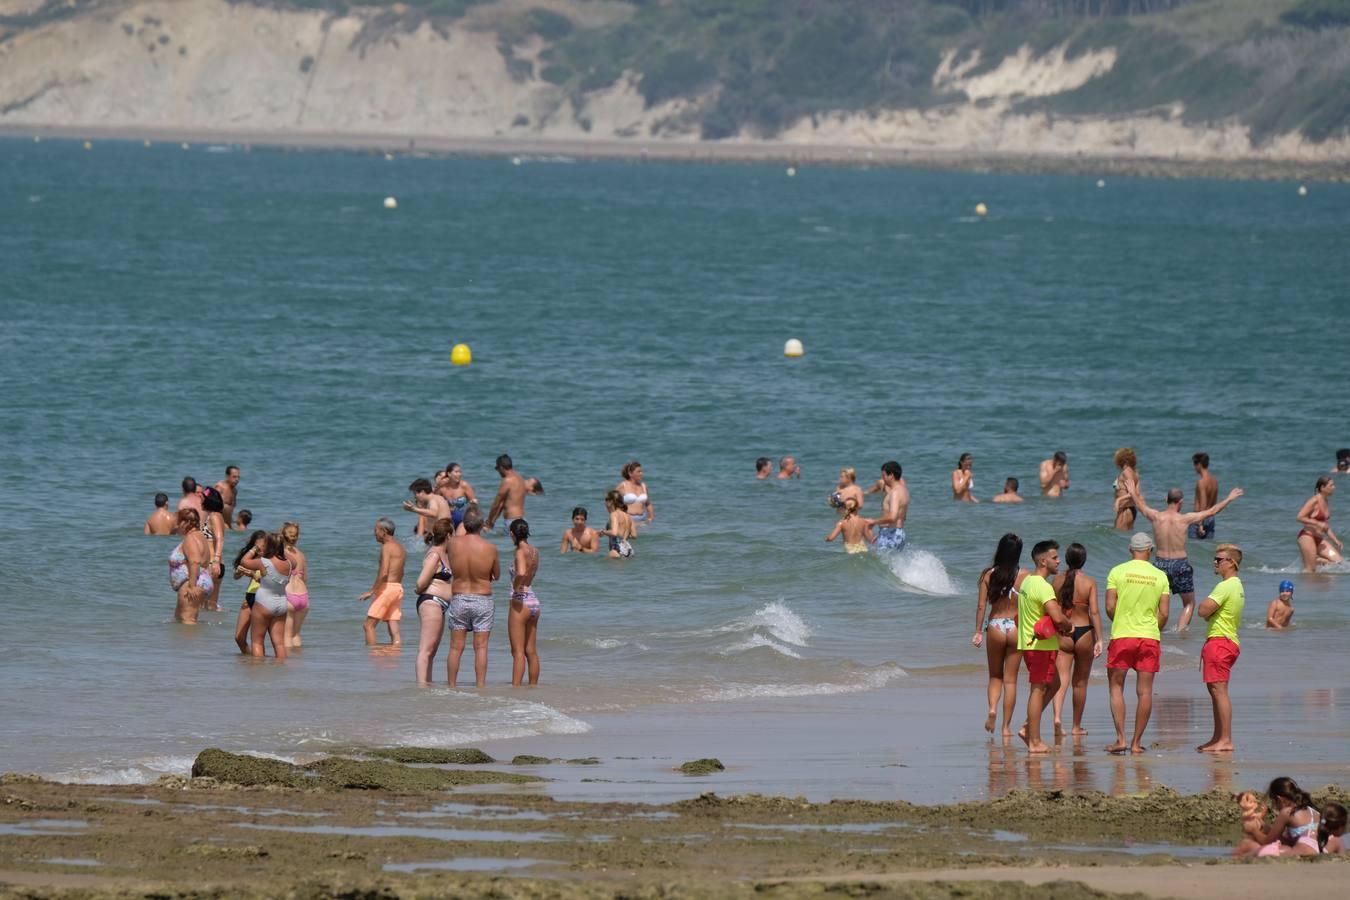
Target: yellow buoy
column 460, row 355
column 88, row 145
column 793, row 348
column 390, row 203
column 981, row 209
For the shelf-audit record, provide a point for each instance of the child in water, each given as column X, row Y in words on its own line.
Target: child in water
column 1281, row 610
column 857, row 531
column 1293, row 832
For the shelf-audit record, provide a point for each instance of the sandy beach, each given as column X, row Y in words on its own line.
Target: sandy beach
column 366, row 827
column 728, row 152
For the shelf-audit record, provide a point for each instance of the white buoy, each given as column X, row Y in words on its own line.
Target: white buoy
column 186, row 146
column 981, row 209
column 1101, row 183
column 515, row 160
column 390, row 203
column 147, row 143
column 37, row 138
column 793, row 348
column 1303, row 190
column 792, row 171
column 388, row 156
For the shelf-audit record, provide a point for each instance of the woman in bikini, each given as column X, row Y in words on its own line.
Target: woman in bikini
column 963, row 480
column 1316, row 538
column 245, row 618
column 998, row 592
column 1077, row 594
column 189, row 567
column 457, row 492
column 1127, row 483
column 297, row 588
column 522, row 622
column 433, row 597
column 214, row 527
column 636, row 497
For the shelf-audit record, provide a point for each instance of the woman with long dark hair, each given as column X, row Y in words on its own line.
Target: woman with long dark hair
column 245, row 619
column 637, row 500
column 214, row 526
column 522, row 622
column 998, row 636
column 1077, row 595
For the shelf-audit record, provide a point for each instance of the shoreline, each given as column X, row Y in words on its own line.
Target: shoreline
column 240, row 829
column 746, row 153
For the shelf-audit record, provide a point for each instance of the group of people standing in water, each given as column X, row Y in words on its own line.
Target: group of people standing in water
column 454, row 583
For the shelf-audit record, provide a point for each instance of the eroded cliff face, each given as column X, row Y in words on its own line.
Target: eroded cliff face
column 216, row 66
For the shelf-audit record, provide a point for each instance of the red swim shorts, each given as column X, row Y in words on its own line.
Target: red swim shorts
column 1217, row 659
column 1041, row 665
column 1140, row 654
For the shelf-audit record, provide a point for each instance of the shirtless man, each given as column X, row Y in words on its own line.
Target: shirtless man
column 1009, row 494
column 963, row 479
column 191, row 499
column 580, row 537
column 1206, row 495
column 763, row 468
column 476, row 565
column 229, row 493
column 1169, row 532
column 788, row 468
column 510, row 499
column 386, row 594
column 890, row 525
column 1281, row 610
column 1055, row 474
column 428, row 505
column 161, row 521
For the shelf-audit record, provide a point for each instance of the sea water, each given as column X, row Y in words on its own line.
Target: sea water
column 168, row 313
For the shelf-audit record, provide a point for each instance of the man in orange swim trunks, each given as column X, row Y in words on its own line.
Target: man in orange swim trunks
column 386, row 595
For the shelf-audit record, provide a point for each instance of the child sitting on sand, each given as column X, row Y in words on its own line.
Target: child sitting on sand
column 1281, row 610
column 857, row 531
column 1331, row 836
column 1293, row 831
column 1253, row 817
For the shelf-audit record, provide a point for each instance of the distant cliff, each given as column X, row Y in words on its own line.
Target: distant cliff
column 1183, row 79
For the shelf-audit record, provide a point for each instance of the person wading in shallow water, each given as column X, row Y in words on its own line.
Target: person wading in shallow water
column 386, row 595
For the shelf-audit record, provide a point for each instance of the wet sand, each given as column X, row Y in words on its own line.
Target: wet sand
column 211, row 837
column 722, row 152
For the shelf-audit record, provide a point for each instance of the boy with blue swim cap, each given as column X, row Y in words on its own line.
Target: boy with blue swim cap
column 1281, row 610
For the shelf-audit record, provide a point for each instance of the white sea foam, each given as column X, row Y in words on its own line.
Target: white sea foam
column 870, row 680
column 922, row 571
column 759, row 640
column 777, row 618
column 139, row 771
column 613, row 644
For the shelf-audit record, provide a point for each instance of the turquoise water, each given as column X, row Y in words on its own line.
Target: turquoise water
column 169, row 313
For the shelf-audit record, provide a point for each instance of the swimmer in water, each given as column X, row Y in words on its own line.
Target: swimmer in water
column 242, row 519
column 189, row 568
column 635, row 493
column 510, row 499
column 1316, row 537
column 1055, row 474
column 456, row 491
column 1009, row 494
column 1280, row 613
column 580, row 537
column 890, row 525
column 963, row 480
column 1342, row 462
column 856, row 530
column 534, row 486
column 763, row 468
column 1126, row 486
column 847, row 489
column 620, row 529
column 161, row 521
column 229, row 492
column 522, row 621
column 428, row 505
column 788, row 468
